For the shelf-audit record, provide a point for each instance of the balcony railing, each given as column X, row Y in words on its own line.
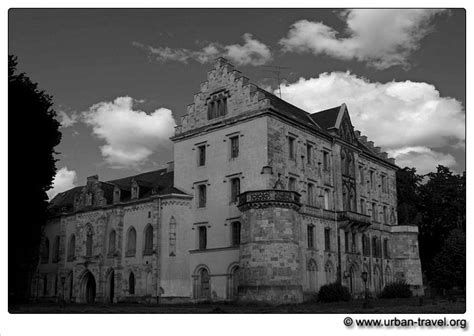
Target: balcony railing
column 266, row 196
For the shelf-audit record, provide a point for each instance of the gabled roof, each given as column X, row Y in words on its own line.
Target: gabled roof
column 157, row 182
column 327, row 118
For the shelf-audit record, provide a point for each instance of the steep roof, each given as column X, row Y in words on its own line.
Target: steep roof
column 326, row 118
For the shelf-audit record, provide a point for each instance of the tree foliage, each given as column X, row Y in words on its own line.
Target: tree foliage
column 33, row 134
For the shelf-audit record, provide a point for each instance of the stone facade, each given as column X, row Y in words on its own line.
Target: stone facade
column 263, row 202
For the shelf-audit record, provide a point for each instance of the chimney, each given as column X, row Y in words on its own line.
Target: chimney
column 170, row 166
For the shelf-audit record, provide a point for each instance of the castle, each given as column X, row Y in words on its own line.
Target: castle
column 262, row 202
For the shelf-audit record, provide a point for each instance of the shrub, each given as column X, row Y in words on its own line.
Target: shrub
column 398, row 289
column 333, row 292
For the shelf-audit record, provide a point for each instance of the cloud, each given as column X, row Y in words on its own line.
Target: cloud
column 380, row 37
column 65, row 179
column 395, row 115
column 67, row 120
column 252, row 52
column 131, row 136
column 424, row 159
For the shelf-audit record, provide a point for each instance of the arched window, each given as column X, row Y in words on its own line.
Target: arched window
column 312, row 270
column 148, row 240
column 112, row 237
column 56, row 249
column 172, row 237
column 45, row 252
column 131, row 242
column 89, row 241
column 71, row 253
column 204, row 284
column 131, row 283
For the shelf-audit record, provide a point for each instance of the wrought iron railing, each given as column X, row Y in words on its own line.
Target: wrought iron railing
column 270, row 195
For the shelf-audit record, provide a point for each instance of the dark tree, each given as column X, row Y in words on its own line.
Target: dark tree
column 33, row 134
column 408, row 184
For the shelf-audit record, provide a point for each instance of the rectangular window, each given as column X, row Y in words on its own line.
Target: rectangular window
column 327, row 239
column 374, row 247
column 202, row 155
column 354, row 242
column 235, row 233
column 374, row 212
column 310, row 195
column 371, row 179
column 309, row 153
column 202, row 197
column 361, row 174
column 384, row 184
column 292, row 184
column 310, row 236
column 234, row 147
column 346, row 241
column 385, row 215
column 202, row 237
column 385, row 248
column 291, row 148
column 217, row 107
column 363, row 209
column 326, row 199
column 234, row 189
column 325, row 160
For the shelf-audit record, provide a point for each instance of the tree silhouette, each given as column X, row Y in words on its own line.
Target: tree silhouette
column 33, row 134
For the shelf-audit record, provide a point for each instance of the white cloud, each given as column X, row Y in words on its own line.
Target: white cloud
column 380, row 37
column 252, row 52
column 395, row 115
column 424, row 159
column 67, row 120
column 65, row 179
column 131, row 136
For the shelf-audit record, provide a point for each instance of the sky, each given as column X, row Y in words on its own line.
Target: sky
column 121, row 79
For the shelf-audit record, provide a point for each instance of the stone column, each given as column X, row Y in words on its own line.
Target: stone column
column 270, row 262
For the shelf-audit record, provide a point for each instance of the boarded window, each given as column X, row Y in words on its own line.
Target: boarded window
column 148, row 240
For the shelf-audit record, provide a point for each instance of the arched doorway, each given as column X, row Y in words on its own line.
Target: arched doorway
column 88, row 288
column 352, row 280
column 312, row 270
column 233, row 285
column 111, row 286
column 202, row 284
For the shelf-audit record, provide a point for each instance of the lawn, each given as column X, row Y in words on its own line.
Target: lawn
column 399, row 306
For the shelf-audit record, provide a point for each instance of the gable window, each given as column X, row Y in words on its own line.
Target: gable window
column 201, row 155
column 131, row 242
column 172, row 236
column 291, row 148
column 234, row 189
column 45, row 252
column 234, row 147
column 111, row 243
column 327, row 239
column 309, row 153
column 325, row 160
column 292, row 184
column 310, row 236
column 56, row 250
column 217, row 106
column 310, row 194
column 131, row 283
column 236, row 233
column 148, row 240
column 202, row 237
column 71, row 253
column 202, row 196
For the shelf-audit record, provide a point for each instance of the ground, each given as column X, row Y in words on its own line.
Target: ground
column 400, row 306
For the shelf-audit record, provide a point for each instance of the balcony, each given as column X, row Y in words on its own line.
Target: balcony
column 353, row 221
column 266, row 198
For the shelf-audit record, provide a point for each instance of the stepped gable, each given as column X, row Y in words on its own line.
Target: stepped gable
column 157, row 182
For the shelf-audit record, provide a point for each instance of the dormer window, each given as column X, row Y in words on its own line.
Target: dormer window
column 116, row 195
column 217, row 105
column 135, row 190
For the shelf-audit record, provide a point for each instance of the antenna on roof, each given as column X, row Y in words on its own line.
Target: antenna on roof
column 276, row 70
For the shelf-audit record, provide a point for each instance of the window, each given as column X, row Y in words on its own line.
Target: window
column 131, row 284
column 374, row 212
column 172, row 237
column 310, row 236
column 346, row 241
column 89, row 242
column 385, row 248
column 292, row 184
column 291, row 148
column 327, row 239
column 149, row 214
column 148, row 240
column 56, row 250
column 309, row 153
column 234, row 190
column 203, row 284
column 325, row 160
column 135, row 190
column 116, row 195
column 236, row 233
column 363, row 208
column 71, row 253
column 385, row 214
column 326, row 199
column 310, row 194
column 371, row 179
column 201, row 196
column 361, row 174
column 384, row 184
column 112, row 243
column 217, row 106
column 234, row 147
column 45, row 284
column 202, row 237
column 375, row 247
column 131, row 242
column 45, row 252
column 89, row 199
column 354, row 242
column 365, row 245
column 201, row 155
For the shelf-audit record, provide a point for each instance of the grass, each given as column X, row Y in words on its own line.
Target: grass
column 380, row 306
